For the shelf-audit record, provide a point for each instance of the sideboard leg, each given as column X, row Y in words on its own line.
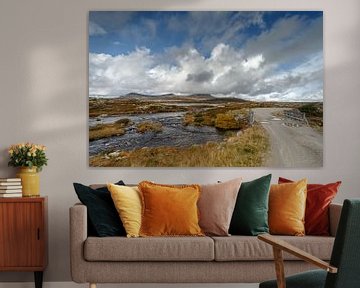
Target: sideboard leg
column 38, row 279
column 92, row 285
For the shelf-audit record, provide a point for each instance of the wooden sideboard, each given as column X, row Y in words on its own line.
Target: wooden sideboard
column 23, row 235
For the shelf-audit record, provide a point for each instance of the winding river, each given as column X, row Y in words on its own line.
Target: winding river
column 174, row 133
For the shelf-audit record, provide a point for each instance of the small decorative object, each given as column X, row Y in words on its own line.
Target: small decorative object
column 30, row 158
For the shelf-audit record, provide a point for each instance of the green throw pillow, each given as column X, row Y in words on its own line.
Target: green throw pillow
column 250, row 216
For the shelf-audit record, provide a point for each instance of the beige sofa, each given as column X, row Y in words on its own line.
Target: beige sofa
column 234, row 259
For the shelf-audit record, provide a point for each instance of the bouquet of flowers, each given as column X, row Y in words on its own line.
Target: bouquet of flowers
column 27, row 155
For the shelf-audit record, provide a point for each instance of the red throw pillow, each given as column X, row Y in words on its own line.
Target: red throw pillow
column 319, row 197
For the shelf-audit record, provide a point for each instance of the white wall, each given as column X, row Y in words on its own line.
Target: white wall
column 43, row 90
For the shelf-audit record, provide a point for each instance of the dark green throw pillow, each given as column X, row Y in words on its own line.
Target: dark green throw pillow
column 103, row 218
column 250, row 216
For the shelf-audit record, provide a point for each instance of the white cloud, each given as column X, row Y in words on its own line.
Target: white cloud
column 118, row 75
column 284, row 64
column 217, row 56
column 253, row 62
column 226, row 72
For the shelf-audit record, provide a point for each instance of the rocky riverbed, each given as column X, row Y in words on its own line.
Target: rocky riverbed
column 174, row 133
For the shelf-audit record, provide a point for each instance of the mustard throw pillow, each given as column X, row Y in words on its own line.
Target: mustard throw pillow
column 169, row 210
column 287, row 204
column 127, row 201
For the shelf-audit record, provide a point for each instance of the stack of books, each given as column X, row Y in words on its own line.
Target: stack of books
column 10, row 187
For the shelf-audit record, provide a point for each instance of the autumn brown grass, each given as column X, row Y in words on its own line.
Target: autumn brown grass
column 149, row 126
column 248, row 149
column 108, row 130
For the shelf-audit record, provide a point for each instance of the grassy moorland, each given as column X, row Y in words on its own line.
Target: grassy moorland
column 149, row 126
column 227, row 115
column 207, row 106
column 248, row 148
column 314, row 114
column 223, row 118
column 108, row 130
column 128, row 106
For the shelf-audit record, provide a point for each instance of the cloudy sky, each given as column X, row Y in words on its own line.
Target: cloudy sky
column 265, row 56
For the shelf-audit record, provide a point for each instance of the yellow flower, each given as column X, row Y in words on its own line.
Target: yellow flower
column 42, row 147
column 28, row 153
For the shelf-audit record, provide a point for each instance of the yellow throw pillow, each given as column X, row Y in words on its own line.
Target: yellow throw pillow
column 169, row 210
column 127, row 201
column 287, row 204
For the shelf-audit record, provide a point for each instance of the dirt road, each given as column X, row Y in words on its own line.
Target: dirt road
column 291, row 147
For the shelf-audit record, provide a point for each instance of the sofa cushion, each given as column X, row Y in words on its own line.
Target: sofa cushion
column 250, row 215
column 287, row 204
column 127, row 201
column 149, row 249
column 169, row 210
column 244, row 248
column 216, row 206
column 318, row 199
column 102, row 216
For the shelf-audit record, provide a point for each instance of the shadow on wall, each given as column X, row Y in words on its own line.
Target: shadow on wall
column 4, row 159
column 47, row 82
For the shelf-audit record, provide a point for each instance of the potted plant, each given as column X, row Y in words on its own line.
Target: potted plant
column 30, row 158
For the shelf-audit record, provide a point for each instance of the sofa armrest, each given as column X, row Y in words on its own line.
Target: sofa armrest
column 78, row 235
column 334, row 217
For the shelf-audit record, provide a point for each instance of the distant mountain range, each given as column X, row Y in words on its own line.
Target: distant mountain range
column 170, row 97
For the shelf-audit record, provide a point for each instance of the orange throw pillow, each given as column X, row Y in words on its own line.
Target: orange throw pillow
column 287, row 204
column 169, row 210
column 319, row 197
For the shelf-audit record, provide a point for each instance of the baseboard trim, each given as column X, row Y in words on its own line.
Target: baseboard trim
column 74, row 285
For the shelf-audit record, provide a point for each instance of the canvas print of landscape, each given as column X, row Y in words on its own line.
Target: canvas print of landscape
column 206, row 89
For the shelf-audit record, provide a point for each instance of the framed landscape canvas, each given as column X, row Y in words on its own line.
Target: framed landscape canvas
column 206, row 89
